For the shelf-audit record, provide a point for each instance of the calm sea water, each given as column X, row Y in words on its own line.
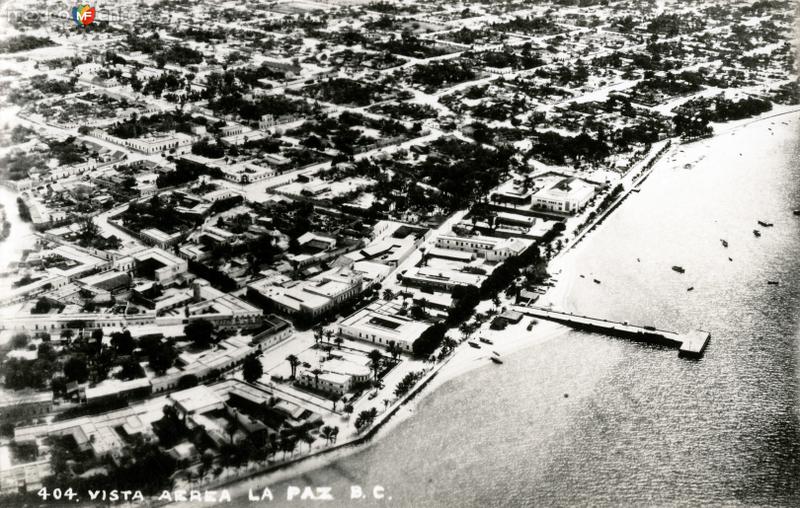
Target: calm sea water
column 591, row 420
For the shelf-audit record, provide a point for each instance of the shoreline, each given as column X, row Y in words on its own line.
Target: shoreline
column 512, row 340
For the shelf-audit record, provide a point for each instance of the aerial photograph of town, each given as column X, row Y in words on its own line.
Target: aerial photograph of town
column 442, row 253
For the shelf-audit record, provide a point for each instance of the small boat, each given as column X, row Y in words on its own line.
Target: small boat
column 730, row 259
column 596, row 281
column 796, row 212
column 474, row 344
column 773, row 282
column 678, row 269
column 724, row 242
column 765, row 224
column 485, row 341
column 583, row 276
column 638, row 260
column 757, row 233
column 690, row 288
column 495, row 353
column 496, row 360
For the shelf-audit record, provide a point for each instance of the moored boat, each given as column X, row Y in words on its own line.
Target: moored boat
column 724, row 242
column 773, row 282
column 496, row 360
column 485, row 341
column 678, row 269
column 474, row 344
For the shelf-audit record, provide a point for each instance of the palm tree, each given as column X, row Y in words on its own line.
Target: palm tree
column 273, row 444
column 393, row 349
column 388, row 294
column 375, row 357
column 230, row 428
column 338, row 340
column 293, row 362
column 307, row 439
column 288, row 444
column 496, row 302
column 317, row 334
column 465, row 329
column 327, row 433
column 329, row 334
column 316, row 373
column 335, row 434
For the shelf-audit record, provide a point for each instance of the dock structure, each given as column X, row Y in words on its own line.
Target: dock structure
column 691, row 344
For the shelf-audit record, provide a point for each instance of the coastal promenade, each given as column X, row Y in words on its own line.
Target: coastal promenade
column 690, row 344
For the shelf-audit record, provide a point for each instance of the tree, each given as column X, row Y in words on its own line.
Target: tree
column 163, row 357
column 365, row 418
column 466, row 330
column 329, row 335
column 394, row 349
column 429, row 340
column 42, row 306
column 130, row 370
column 97, row 335
column 288, row 444
column 293, row 363
column 19, row 341
column 252, row 370
column 406, row 383
column 339, row 340
column 307, row 439
column 496, row 302
column 231, row 428
column 123, row 343
column 187, row 381
column 200, row 332
column 317, row 334
column 375, row 357
column 75, row 369
column 327, row 432
column 388, row 294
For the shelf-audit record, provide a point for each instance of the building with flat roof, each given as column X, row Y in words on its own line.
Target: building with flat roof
column 313, row 297
column 222, row 309
column 114, row 389
column 567, row 195
column 24, row 477
column 196, row 400
column 489, row 247
column 159, row 265
column 379, row 323
column 158, row 238
column 17, row 406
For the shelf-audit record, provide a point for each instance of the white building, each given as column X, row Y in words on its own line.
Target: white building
column 567, row 195
column 165, row 267
column 378, row 323
column 312, row 297
column 489, row 247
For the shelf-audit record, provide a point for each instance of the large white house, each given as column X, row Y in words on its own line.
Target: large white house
column 489, row 247
column 380, row 324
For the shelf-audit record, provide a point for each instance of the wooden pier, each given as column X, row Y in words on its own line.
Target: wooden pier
column 691, row 344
